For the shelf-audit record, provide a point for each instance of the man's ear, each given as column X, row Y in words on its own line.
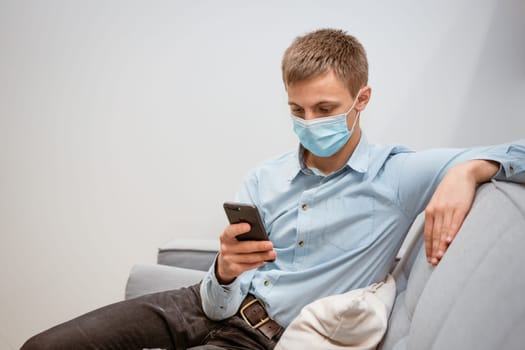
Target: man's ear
column 363, row 98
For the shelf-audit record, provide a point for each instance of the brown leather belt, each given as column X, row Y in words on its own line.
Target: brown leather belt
column 254, row 313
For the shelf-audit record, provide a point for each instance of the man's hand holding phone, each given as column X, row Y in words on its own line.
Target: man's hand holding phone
column 236, row 257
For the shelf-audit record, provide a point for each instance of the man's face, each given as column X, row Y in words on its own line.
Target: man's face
column 321, row 96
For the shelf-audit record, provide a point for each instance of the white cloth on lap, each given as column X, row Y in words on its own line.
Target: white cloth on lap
column 354, row 320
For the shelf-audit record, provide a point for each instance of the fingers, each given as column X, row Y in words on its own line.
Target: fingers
column 236, row 257
column 429, row 223
column 447, row 210
column 455, row 224
column 239, row 263
column 243, row 254
column 230, row 244
column 437, row 229
column 438, row 250
column 436, row 237
column 441, row 227
column 232, row 231
column 438, row 220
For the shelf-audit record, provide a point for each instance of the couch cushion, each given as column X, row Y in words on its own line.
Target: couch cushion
column 195, row 254
column 411, row 275
column 474, row 298
column 149, row 278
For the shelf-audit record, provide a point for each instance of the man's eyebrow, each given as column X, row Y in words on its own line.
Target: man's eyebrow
column 291, row 103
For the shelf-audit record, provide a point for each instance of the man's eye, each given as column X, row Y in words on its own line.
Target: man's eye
column 297, row 111
column 324, row 110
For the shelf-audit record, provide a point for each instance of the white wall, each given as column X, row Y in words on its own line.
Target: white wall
column 124, row 124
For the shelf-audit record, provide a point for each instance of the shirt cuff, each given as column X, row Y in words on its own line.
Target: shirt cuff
column 219, row 301
column 512, row 167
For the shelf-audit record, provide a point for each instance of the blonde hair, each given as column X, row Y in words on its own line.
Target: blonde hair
column 326, row 49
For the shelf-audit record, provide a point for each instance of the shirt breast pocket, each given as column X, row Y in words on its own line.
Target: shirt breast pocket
column 348, row 223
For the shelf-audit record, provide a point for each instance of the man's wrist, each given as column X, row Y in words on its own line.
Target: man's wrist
column 480, row 170
column 223, row 280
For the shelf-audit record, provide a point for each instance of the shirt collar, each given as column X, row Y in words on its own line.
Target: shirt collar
column 359, row 160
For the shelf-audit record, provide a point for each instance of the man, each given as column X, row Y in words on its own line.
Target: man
column 336, row 211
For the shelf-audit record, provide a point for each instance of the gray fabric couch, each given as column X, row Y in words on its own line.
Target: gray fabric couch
column 474, row 299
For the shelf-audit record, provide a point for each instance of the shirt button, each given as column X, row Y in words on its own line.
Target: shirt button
column 304, row 206
column 301, row 244
column 511, row 170
column 266, row 283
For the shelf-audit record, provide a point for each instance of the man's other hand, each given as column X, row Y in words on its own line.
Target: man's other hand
column 451, row 203
column 236, row 257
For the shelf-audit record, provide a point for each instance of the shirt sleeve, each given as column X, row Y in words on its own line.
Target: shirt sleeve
column 222, row 301
column 421, row 172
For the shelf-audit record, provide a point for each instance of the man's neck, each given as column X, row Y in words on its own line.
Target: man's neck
column 328, row 165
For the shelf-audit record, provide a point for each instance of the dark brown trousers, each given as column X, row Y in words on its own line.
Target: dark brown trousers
column 166, row 320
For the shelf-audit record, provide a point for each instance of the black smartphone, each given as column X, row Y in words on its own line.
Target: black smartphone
column 241, row 212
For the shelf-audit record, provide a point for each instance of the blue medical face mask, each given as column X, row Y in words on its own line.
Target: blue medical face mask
column 324, row 136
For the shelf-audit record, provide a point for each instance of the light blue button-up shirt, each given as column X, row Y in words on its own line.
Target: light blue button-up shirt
column 339, row 232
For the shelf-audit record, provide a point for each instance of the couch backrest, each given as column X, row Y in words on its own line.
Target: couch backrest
column 475, row 297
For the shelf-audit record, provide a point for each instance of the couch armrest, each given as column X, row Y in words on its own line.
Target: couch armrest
column 145, row 279
column 195, row 254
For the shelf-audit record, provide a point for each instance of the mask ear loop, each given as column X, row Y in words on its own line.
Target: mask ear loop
column 358, row 112
column 355, row 120
column 355, row 101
